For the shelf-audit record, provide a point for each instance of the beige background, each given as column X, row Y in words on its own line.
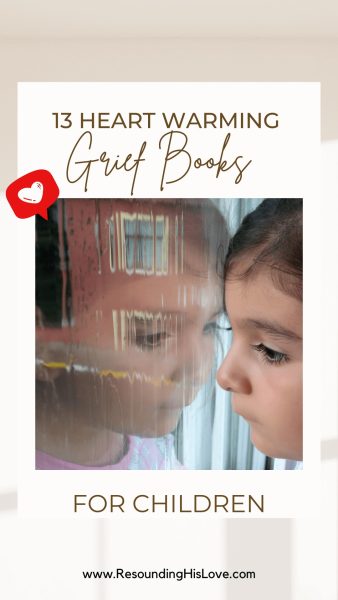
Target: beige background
column 163, row 60
column 79, row 41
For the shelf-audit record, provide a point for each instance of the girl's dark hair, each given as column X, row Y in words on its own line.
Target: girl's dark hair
column 271, row 237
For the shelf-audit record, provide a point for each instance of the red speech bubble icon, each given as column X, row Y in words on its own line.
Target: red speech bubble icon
column 32, row 194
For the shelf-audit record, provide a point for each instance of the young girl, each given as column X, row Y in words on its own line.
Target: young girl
column 263, row 301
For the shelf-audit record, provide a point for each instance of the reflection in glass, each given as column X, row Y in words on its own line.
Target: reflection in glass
column 128, row 295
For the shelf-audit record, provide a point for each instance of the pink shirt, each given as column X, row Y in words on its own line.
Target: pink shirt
column 143, row 453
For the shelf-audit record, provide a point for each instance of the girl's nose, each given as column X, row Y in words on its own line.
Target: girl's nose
column 232, row 375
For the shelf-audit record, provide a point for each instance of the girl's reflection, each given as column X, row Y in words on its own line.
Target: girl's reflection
column 140, row 291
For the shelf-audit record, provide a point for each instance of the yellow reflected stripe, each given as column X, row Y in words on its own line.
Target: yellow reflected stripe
column 55, row 365
column 135, row 376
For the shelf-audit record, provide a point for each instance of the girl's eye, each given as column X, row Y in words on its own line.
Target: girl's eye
column 271, row 356
column 151, row 340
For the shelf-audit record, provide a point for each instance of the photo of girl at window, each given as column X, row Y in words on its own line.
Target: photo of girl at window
column 130, row 326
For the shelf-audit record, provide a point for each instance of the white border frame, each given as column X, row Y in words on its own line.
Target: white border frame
column 293, row 172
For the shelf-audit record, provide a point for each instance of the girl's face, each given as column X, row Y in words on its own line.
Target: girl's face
column 135, row 372
column 140, row 345
column 263, row 368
